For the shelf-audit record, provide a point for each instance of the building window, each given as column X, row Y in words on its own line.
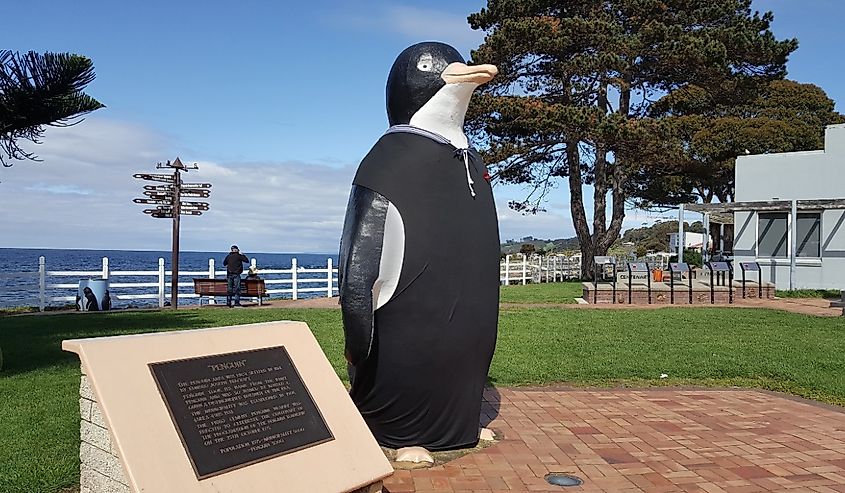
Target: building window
column 772, row 234
column 808, row 231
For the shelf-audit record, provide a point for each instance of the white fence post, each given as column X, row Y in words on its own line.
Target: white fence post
column 253, row 264
column 106, row 268
column 293, row 277
column 507, row 270
column 161, row 282
column 42, row 283
column 524, row 268
column 211, row 299
column 329, row 278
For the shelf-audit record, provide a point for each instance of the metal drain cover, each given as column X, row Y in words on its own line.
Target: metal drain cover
column 560, row 479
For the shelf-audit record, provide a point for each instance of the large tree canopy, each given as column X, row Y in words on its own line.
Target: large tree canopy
column 577, row 83
column 38, row 90
column 712, row 127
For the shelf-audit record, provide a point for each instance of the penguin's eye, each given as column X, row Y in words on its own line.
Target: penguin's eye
column 426, row 63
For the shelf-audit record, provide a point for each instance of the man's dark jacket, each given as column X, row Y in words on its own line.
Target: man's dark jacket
column 234, row 263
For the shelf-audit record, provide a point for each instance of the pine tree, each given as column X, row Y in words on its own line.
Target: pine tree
column 577, row 81
column 39, row 90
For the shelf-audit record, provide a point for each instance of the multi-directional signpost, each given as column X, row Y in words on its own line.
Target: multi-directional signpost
column 167, row 197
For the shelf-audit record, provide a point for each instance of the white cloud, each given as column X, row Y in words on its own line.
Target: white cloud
column 420, row 23
column 80, row 196
column 275, row 207
column 59, row 189
column 552, row 224
column 416, row 24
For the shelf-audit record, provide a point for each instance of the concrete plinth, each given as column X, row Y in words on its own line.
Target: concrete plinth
column 132, row 439
column 661, row 293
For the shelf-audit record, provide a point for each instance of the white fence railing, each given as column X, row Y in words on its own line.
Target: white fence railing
column 291, row 282
column 45, row 286
column 519, row 268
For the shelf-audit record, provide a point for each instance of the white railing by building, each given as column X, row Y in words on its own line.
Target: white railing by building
column 519, row 268
column 292, row 282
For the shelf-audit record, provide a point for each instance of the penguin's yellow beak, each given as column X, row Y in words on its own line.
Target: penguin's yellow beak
column 458, row 72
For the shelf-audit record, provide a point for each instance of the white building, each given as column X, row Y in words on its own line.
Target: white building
column 808, row 237
column 789, row 214
column 691, row 240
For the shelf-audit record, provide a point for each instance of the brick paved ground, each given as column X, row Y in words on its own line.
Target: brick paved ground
column 647, row 441
column 808, row 306
column 660, row 441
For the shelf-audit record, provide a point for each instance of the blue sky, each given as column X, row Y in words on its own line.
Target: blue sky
column 277, row 101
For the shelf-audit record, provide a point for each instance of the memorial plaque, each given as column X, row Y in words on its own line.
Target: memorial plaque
column 749, row 266
column 679, row 267
column 239, row 408
column 720, row 266
column 638, row 266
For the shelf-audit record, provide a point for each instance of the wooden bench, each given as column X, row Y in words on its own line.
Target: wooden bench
column 250, row 288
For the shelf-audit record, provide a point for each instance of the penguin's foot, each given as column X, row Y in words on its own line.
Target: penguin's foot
column 413, row 454
column 486, row 434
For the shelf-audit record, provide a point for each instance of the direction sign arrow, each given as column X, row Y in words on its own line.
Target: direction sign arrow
column 158, row 195
column 154, row 177
column 201, row 194
column 151, row 201
column 201, row 205
column 159, row 210
column 194, row 186
column 159, row 188
column 191, row 213
column 160, row 215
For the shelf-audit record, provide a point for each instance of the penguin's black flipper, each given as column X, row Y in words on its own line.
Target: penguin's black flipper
column 358, row 269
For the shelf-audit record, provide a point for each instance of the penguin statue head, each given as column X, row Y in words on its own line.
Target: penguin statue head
column 430, row 86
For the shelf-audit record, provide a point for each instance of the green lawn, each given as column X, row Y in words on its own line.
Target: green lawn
column 554, row 292
column 808, row 293
column 776, row 350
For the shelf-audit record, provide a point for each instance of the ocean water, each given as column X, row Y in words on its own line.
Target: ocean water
column 19, row 271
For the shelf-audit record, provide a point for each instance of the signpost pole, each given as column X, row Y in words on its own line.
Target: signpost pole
column 174, row 262
column 168, row 201
column 681, row 242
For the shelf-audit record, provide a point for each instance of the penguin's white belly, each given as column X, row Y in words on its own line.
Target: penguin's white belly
column 392, row 253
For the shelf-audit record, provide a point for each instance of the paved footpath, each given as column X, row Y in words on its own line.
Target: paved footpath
column 652, row 441
column 808, row 306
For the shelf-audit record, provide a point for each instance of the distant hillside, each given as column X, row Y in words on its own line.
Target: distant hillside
column 651, row 238
column 656, row 237
column 560, row 245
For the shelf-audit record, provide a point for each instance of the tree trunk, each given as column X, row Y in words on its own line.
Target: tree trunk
column 576, row 206
column 608, row 177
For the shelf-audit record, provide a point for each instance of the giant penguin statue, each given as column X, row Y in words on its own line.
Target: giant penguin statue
column 419, row 262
